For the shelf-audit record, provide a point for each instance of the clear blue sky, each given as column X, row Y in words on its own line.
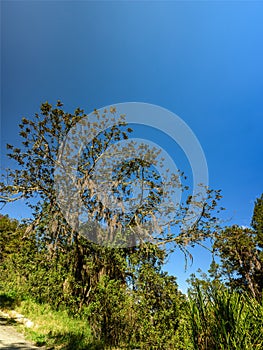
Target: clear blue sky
column 201, row 60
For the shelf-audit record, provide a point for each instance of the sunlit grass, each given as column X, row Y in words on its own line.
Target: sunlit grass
column 54, row 329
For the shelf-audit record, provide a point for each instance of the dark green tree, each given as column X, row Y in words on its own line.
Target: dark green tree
column 240, row 252
column 257, row 221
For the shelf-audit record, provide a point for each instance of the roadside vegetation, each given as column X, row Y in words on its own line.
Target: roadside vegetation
column 81, row 294
column 49, row 327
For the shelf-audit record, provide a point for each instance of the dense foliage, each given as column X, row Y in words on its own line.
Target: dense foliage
column 147, row 312
column 124, row 294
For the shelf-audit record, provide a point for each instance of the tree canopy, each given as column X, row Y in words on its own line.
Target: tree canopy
column 57, row 166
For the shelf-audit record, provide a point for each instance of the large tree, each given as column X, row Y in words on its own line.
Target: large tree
column 64, row 174
column 57, row 169
column 240, row 252
column 57, row 144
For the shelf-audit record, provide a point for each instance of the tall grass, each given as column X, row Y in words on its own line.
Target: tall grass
column 225, row 320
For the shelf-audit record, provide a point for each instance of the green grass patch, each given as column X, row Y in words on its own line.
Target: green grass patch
column 54, row 329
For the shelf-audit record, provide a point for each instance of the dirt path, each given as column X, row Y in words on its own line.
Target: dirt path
column 10, row 339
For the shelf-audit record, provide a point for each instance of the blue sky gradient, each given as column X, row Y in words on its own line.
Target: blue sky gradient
column 201, row 60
